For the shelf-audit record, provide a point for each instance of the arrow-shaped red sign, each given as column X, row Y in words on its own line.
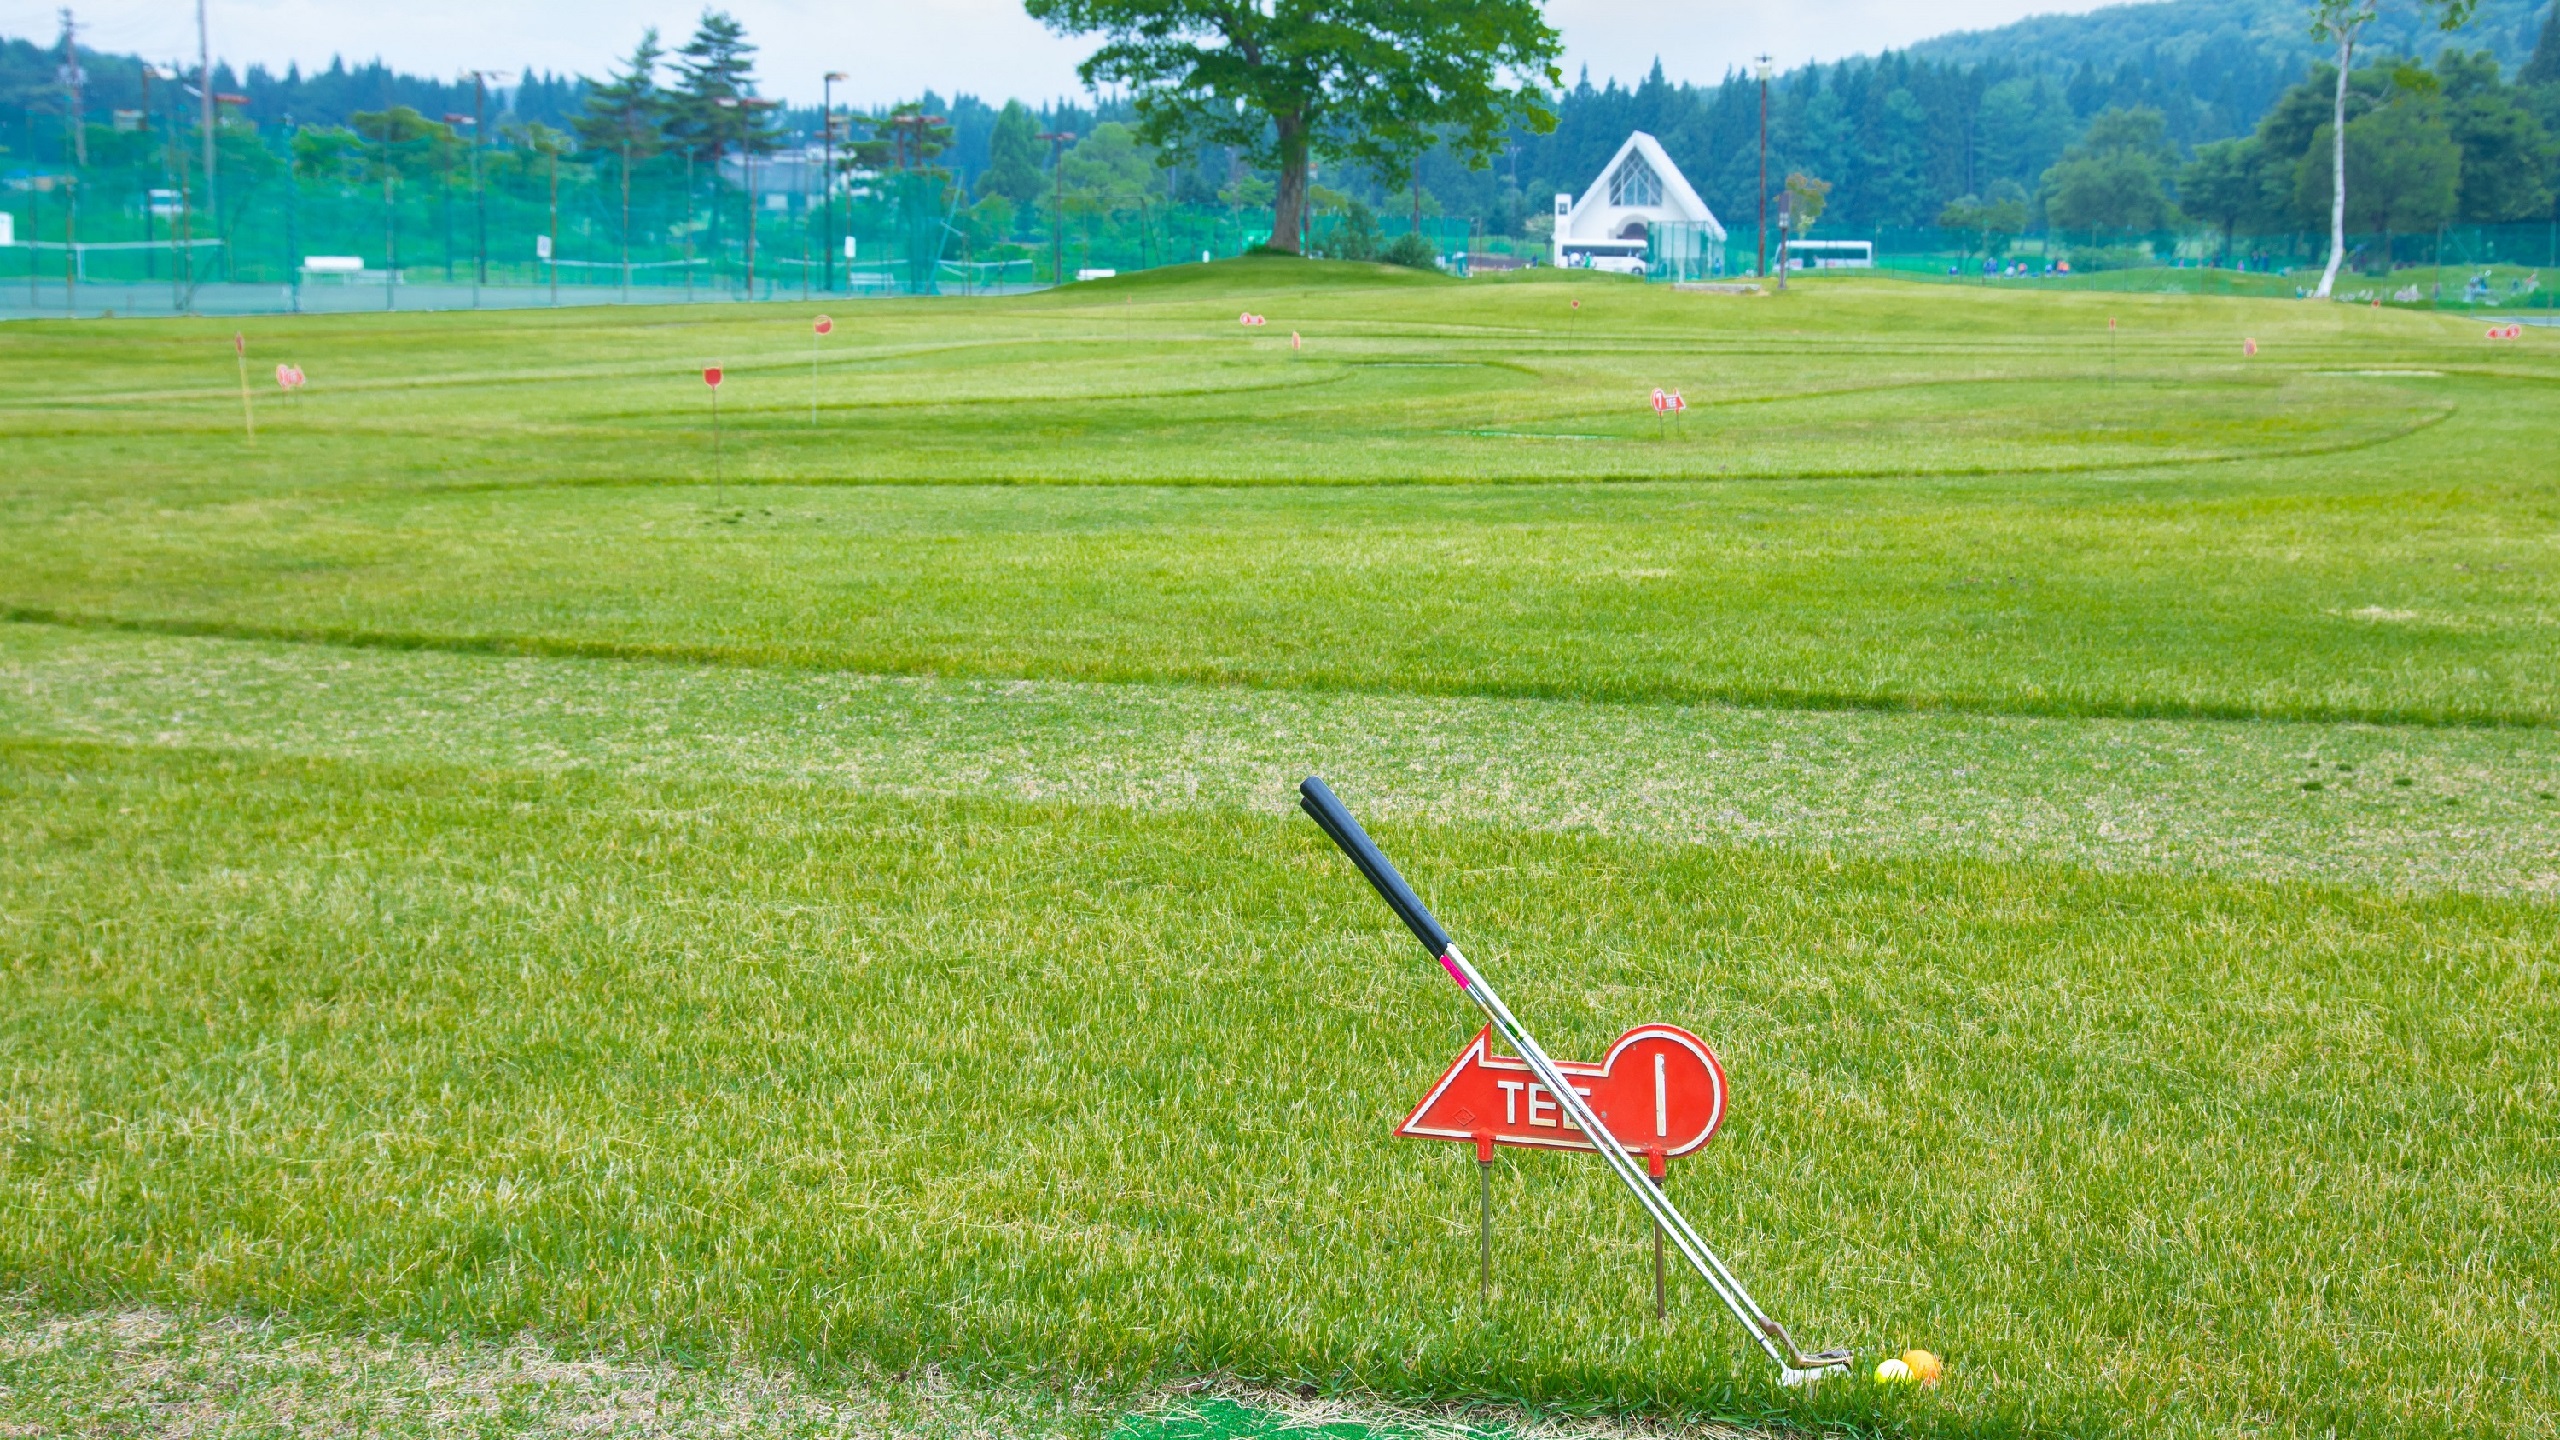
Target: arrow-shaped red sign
column 1659, row 1090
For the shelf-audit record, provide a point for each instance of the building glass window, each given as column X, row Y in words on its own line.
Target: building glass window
column 1634, row 183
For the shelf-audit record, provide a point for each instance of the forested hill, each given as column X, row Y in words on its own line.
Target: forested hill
column 1903, row 134
column 2173, row 33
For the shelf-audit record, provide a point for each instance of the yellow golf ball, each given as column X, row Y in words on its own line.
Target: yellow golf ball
column 1893, row 1372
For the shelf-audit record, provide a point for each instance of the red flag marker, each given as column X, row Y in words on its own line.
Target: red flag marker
column 719, row 480
column 824, row 326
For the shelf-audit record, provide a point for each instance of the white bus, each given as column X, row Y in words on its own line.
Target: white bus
column 1832, row 254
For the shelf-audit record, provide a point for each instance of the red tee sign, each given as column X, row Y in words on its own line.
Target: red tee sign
column 1660, row 1092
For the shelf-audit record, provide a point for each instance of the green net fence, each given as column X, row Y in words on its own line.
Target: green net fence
column 2487, row 267
column 518, row 227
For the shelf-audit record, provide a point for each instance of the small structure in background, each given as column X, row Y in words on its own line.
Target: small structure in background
column 1832, row 254
column 1639, row 217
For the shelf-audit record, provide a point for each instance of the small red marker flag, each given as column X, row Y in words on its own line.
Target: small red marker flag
column 711, row 376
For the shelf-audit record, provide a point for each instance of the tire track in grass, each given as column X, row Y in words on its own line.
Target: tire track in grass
column 2404, row 809
column 1746, row 697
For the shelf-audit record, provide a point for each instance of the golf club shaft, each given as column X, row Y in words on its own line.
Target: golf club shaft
column 1329, row 813
column 1772, row 1336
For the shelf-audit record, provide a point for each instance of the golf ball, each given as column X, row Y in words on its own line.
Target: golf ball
column 1893, row 1372
column 1924, row 1367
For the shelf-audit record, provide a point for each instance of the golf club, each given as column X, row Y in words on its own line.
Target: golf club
column 1795, row 1366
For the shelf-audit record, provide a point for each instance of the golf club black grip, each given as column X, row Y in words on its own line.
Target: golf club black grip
column 1318, row 800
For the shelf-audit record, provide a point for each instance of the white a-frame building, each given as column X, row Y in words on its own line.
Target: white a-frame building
column 1640, row 204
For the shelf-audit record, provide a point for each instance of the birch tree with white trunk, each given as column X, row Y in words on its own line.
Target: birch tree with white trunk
column 2340, row 22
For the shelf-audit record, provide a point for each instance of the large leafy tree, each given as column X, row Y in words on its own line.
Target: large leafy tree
column 2230, row 186
column 2404, row 171
column 2507, row 156
column 1285, row 80
column 2111, row 179
column 2342, row 21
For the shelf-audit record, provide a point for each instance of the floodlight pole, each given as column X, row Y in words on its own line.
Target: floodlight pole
column 79, row 157
column 1058, row 199
column 150, row 259
column 747, row 106
column 552, row 149
column 479, row 197
column 1763, row 64
column 827, row 182
column 204, row 95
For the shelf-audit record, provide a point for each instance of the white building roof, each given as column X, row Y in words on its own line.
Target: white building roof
column 1639, row 185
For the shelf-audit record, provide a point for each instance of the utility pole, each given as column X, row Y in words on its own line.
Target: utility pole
column 827, row 183
column 79, row 157
column 206, row 115
column 747, row 105
column 479, row 204
column 479, row 197
column 72, row 79
column 292, row 219
column 1058, row 202
column 1762, row 64
column 182, row 224
column 553, row 149
column 150, row 258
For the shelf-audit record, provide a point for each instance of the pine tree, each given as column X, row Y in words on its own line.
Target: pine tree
column 1014, row 157
column 2544, row 67
column 718, row 65
column 625, row 117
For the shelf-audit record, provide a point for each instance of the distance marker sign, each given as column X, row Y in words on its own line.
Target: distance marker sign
column 1659, row 1090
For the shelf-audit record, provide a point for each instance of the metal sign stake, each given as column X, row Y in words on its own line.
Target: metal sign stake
column 1661, row 1299
column 1795, row 1365
column 1484, row 1229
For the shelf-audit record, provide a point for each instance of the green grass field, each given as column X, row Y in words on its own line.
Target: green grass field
column 477, row 878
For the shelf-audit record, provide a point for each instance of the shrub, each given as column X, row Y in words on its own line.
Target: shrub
column 1413, row 250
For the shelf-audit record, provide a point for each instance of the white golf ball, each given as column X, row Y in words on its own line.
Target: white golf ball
column 1893, row 1372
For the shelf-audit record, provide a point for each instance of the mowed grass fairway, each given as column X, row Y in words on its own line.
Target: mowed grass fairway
column 471, row 872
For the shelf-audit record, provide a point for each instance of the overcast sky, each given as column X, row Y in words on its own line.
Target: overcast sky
column 982, row 47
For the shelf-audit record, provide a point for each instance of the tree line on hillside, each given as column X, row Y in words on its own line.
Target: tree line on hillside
column 2219, row 138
